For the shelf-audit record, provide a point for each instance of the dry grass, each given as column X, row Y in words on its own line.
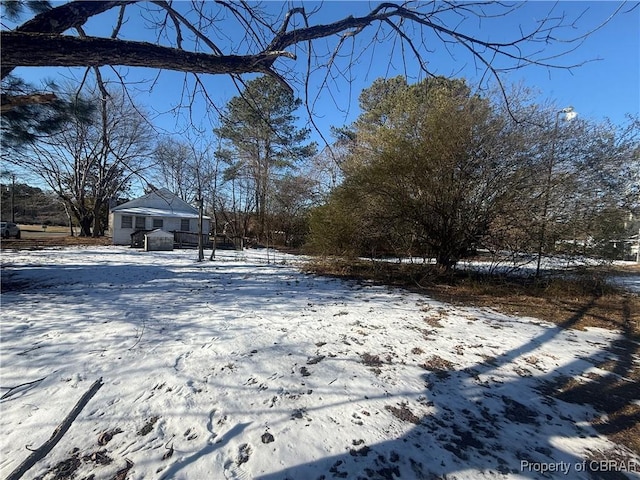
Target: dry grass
column 437, row 364
column 404, row 413
column 584, row 300
column 49, row 242
column 40, row 228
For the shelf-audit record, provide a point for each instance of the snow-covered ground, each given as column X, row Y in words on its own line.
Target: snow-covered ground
column 629, row 282
column 240, row 368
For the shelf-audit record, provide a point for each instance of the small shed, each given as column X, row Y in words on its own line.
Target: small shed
column 158, row 240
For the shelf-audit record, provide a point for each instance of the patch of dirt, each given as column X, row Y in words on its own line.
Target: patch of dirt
column 464, row 441
column 371, row 360
column 519, row 413
column 316, row 359
column 404, row 413
column 433, row 322
column 99, row 457
column 148, row 427
column 244, row 452
column 66, row 469
column 298, row 414
column 360, row 452
column 267, row 438
column 437, row 364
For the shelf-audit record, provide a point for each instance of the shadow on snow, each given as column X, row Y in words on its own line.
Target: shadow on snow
column 478, row 423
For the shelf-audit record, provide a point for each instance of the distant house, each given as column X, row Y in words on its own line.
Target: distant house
column 160, row 209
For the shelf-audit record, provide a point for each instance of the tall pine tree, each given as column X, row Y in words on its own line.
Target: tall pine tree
column 262, row 140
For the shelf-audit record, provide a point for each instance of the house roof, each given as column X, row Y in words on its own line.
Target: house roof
column 155, row 212
column 161, row 203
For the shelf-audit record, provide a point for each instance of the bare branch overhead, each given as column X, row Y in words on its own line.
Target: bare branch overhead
column 37, row 49
column 236, row 38
column 53, row 48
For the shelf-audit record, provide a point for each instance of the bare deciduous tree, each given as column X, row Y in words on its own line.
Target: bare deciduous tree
column 237, row 38
column 173, row 168
column 88, row 163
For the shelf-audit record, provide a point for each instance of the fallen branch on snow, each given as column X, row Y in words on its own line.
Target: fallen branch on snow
column 12, row 390
column 58, row 433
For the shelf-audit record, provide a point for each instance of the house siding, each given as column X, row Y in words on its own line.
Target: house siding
column 122, row 236
column 160, row 205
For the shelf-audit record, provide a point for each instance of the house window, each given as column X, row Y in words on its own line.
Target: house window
column 127, row 221
column 184, row 225
column 140, row 223
column 157, row 223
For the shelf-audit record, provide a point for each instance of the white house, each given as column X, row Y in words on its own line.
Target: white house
column 160, row 209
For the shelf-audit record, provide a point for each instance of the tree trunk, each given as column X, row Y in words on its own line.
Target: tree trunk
column 85, row 226
column 445, row 261
column 100, row 214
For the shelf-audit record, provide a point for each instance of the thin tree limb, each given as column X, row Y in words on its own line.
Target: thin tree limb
column 179, row 18
column 26, row 384
column 118, row 26
column 57, row 435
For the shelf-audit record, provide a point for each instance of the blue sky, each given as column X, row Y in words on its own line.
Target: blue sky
column 607, row 86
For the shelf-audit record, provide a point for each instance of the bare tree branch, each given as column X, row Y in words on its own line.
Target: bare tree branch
column 58, row 433
column 11, row 390
column 257, row 40
column 116, row 29
column 69, row 15
column 60, row 19
column 121, row 52
column 179, row 18
column 67, row 51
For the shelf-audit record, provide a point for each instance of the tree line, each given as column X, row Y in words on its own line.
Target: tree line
column 431, row 169
column 435, row 170
column 22, row 203
column 253, row 171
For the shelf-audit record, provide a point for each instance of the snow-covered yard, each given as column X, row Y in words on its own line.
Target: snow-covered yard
column 240, row 368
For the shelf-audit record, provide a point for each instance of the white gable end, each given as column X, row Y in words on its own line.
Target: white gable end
column 161, row 200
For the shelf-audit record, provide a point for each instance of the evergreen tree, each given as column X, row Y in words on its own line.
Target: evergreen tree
column 259, row 133
column 430, row 168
